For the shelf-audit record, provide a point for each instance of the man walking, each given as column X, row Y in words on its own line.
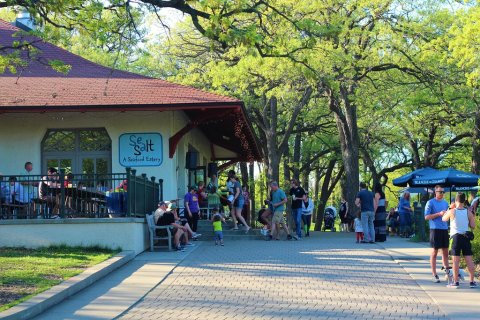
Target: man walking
column 365, row 201
column 279, row 198
column 434, row 211
column 297, row 194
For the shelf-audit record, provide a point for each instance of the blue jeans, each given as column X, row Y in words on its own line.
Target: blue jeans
column 218, row 235
column 297, row 217
column 367, row 225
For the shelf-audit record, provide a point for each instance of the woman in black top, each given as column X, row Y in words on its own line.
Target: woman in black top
column 380, row 222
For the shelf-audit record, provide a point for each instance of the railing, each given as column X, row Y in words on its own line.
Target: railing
column 78, row 195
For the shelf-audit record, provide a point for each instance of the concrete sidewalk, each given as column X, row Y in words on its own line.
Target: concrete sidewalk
column 120, row 290
column 461, row 303
column 325, row 276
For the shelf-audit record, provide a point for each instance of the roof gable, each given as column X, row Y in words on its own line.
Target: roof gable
column 87, row 83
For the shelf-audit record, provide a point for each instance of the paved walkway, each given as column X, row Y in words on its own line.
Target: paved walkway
column 327, row 276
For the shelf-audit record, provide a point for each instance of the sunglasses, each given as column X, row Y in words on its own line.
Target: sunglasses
column 441, row 192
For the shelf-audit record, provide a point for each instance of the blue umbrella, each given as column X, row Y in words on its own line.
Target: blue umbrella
column 446, row 177
column 407, row 179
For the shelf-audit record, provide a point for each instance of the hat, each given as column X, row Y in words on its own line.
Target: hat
column 172, row 206
column 162, row 203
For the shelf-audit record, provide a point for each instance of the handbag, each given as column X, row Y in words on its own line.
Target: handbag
column 470, row 235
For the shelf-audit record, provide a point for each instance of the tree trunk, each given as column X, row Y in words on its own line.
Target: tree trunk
column 286, row 171
column 316, row 188
column 251, row 190
column 476, row 144
column 346, row 120
column 324, row 195
column 305, row 174
column 244, row 173
column 296, row 155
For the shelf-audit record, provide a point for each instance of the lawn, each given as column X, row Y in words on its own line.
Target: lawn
column 27, row 272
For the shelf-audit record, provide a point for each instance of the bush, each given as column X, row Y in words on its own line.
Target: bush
column 476, row 245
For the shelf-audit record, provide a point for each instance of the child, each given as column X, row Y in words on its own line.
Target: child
column 358, row 228
column 217, row 226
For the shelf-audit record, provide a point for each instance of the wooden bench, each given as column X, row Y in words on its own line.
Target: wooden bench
column 152, row 230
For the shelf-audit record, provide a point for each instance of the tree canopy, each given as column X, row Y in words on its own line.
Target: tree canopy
column 335, row 89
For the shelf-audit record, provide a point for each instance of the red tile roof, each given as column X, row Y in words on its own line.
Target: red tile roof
column 87, row 83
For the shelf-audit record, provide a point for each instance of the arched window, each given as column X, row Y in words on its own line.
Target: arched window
column 77, row 151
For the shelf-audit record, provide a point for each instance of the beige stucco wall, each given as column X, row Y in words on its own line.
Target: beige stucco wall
column 124, row 233
column 22, row 134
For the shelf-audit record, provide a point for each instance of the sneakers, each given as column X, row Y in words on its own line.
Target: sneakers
column 216, row 242
column 221, row 243
column 294, row 237
column 196, row 235
column 289, row 237
column 473, row 284
column 180, row 249
column 453, row 285
column 436, row 279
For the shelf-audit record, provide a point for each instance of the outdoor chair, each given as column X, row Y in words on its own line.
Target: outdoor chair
column 152, row 230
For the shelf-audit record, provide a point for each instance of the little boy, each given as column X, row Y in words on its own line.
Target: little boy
column 217, row 219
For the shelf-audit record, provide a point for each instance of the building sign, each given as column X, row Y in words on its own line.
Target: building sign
column 140, row 149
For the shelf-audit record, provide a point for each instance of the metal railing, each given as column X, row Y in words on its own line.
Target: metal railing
column 79, row 195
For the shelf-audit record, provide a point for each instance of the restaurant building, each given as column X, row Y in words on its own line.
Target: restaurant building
column 97, row 120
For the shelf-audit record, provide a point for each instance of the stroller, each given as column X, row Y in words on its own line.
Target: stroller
column 329, row 219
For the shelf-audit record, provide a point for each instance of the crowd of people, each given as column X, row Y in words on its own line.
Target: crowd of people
column 449, row 226
column 369, row 219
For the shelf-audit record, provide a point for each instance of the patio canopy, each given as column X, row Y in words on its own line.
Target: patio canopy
column 406, row 180
column 429, row 177
column 447, row 177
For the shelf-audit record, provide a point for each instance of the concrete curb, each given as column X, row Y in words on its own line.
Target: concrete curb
column 45, row 300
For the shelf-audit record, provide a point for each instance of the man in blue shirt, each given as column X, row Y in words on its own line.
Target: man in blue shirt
column 434, row 211
column 279, row 198
column 367, row 207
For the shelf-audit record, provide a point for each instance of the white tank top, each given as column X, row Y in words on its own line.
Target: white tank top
column 460, row 223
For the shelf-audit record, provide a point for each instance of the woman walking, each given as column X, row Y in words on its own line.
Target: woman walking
column 380, row 222
column 238, row 201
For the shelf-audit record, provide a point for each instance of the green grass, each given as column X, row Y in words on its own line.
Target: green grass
column 27, row 272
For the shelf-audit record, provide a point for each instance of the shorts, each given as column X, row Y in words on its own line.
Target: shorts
column 277, row 217
column 439, row 238
column 238, row 203
column 460, row 245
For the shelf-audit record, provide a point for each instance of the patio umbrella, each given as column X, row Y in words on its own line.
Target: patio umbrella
column 406, row 180
column 447, row 177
